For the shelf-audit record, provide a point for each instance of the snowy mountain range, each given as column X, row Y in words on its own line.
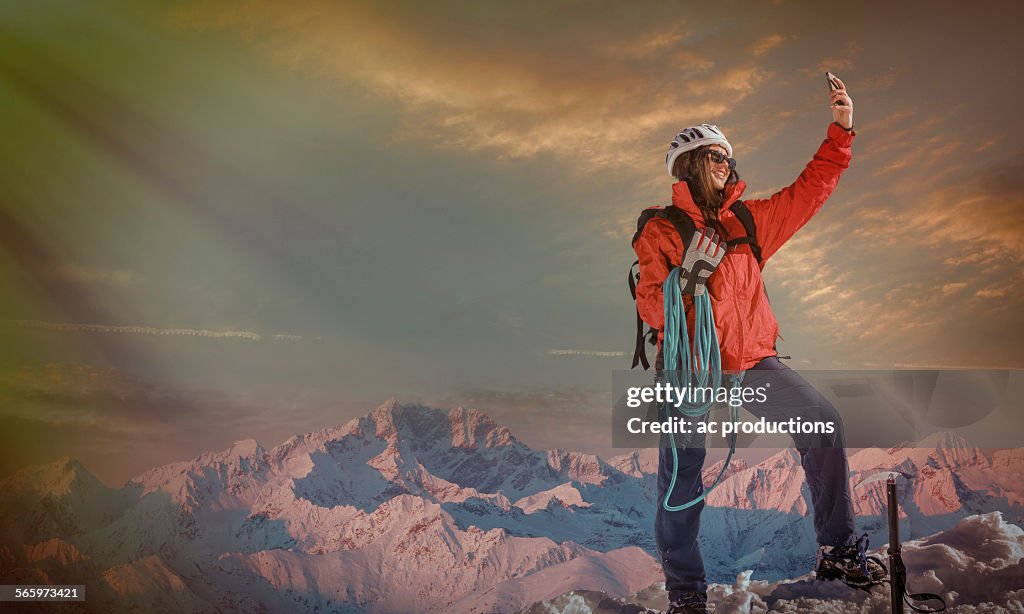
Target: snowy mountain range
column 411, row 509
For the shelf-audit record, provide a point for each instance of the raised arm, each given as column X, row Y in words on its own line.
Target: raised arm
column 785, row 212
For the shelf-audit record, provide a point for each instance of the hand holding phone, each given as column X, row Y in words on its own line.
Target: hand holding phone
column 833, row 86
column 842, row 104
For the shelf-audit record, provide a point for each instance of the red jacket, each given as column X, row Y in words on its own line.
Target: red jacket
column 746, row 326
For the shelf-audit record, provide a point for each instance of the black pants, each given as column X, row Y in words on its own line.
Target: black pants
column 824, row 464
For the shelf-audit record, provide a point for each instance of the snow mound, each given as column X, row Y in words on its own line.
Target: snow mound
column 977, row 567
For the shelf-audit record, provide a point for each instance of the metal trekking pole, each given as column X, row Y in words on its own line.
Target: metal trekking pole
column 896, row 588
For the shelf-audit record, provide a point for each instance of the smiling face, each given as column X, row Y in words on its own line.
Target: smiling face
column 720, row 171
column 706, row 180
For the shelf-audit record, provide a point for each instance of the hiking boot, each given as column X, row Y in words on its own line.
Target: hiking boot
column 851, row 564
column 688, row 603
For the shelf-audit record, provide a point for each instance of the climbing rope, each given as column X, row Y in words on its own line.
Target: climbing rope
column 687, row 368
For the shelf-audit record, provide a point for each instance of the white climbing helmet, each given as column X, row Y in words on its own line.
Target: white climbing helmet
column 692, row 138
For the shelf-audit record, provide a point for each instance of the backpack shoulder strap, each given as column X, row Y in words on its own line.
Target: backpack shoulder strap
column 639, row 350
column 683, row 224
column 645, row 216
column 742, row 213
column 679, row 219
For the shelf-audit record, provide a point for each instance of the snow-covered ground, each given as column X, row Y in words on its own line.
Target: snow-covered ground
column 977, row 566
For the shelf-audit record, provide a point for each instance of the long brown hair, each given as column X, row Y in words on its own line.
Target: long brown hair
column 693, row 168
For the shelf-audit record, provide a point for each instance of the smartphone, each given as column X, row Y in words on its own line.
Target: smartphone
column 833, row 85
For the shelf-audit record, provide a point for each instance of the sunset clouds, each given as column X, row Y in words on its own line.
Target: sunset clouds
column 441, row 195
column 504, row 87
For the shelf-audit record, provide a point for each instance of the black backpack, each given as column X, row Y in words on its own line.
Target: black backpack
column 684, row 225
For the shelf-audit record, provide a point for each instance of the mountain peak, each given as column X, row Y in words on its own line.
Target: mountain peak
column 468, row 428
column 57, row 477
column 636, row 462
column 952, row 449
column 383, row 417
column 943, row 448
column 945, row 440
column 578, row 466
column 245, row 447
column 471, row 427
column 239, row 450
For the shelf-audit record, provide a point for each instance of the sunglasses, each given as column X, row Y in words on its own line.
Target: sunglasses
column 718, row 157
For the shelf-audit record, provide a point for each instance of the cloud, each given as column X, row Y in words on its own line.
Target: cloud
column 980, row 257
column 119, row 277
column 766, row 44
column 879, row 81
column 933, row 249
column 537, row 400
column 118, row 423
column 62, row 393
column 833, row 64
column 584, row 353
column 978, row 220
column 148, row 330
column 934, row 366
column 509, row 90
column 986, row 144
column 890, row 122
column 999, row 292
column 818, row 293
column 654, row 45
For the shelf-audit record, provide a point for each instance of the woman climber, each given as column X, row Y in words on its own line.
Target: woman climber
column 707, row 191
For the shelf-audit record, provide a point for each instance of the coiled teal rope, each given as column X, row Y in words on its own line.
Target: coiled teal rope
column 685, row 368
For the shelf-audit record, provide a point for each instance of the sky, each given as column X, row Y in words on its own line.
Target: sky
column 223, row 220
